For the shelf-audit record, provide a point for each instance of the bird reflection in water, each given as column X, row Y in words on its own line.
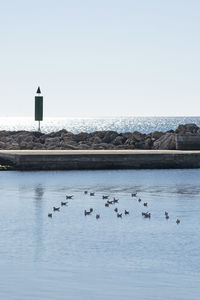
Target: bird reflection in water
column 38, row 229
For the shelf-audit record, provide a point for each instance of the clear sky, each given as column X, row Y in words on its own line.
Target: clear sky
column 100, row 58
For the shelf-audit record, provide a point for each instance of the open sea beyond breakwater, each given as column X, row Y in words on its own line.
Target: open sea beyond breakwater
column 73, row 256
column 119, row 124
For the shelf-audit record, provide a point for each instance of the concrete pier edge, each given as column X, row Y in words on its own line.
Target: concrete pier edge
column 99, row 159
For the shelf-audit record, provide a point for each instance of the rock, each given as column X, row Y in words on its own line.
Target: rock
column 167, row 141
column 58, row 134
column 84, row 147
column 107, row 146
column 41, row 140
column 185, row 129
column 66, row 146
column 3, row 133
column 102, row 146
column 29, row 139
column 131, row 147
column 100, row 134
column 109, row 136
column 156, row 134
column 96, row 140
column 129, row 141
column 36, row 134
column 138, row 136
column 52, row 142
column 2, row 145
column 127, row 135
column 63, row 132
column 38, row 146
column 118, row 140
column 67, row 143
column 68, row 140
column 6, row 139
column 23, row 145
column 13, row 146
column 140, row 145
column 82, row 136
column 148, row 143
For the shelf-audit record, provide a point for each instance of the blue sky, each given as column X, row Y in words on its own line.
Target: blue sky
column 100, row 58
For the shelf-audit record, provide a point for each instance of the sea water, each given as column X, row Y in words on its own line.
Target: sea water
column 73, row 256
column 119, row 124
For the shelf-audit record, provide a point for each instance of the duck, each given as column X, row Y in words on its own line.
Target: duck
column 116, row 209
column 126, row 212
column 178, row 221
column 69, row 196
column 64, row 203
column 146, row 215
column 91, row 209
column 145, row 204
column 105, row 197
column 139, row 200
column 85, row 192
column 166, row 213
column 119, row 215
column 97, row 216
column 133, row 194
column 86, row 213
column 110, row 202
column 91, row 194
column 56, row 208
column 106, row 204
column 167, row 217
column 115, row 200
column 50, row 215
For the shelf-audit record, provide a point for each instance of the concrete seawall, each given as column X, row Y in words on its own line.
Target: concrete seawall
column 99, row 159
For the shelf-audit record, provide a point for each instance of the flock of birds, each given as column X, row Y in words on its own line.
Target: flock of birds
column 108, row 203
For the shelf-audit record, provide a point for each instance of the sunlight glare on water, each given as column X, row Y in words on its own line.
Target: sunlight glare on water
column 119, row 124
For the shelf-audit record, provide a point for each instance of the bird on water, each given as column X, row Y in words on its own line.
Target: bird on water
column 119, row 215
column 87, row 213
column 56, row 208
column 115, row 200
column 133, row 194
column 69, row 196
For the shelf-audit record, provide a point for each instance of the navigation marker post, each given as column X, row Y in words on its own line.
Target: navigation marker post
column 38, row 107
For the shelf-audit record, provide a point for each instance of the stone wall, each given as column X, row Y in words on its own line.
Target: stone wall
column 184, row 137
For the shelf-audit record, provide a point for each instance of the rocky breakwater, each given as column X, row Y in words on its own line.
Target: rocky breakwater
column 108, row 140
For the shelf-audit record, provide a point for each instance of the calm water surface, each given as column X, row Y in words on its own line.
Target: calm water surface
column 75, row 257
